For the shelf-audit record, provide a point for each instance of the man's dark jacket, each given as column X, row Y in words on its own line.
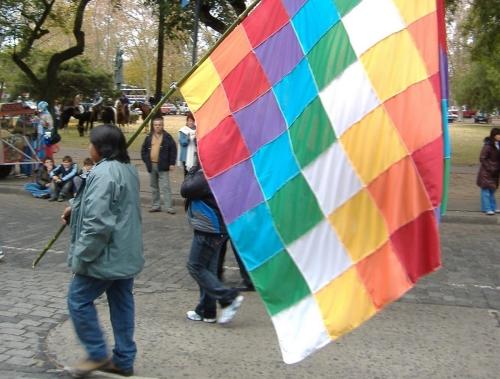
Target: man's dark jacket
column 168, row 152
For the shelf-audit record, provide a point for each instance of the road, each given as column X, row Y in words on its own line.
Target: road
column 447, row 326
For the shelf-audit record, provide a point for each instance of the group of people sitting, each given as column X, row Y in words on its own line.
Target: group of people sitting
column 59, row 182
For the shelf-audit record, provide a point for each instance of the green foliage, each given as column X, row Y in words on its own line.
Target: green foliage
column 475, row 78
column 75, row 76
column 478, row 87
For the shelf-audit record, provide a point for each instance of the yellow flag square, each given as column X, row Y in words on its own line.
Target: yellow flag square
column 393, row 65
column 359, row 225
column 344, row 303
column 412, row 10
column 200, row 85
column 373, row 144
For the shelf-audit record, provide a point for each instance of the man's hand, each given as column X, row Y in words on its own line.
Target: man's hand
column 66, row 215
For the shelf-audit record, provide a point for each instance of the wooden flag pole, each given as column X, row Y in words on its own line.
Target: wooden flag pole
column 155, row 109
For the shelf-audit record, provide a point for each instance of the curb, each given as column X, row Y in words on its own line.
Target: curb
column 451, row 217
column 468, row 217
column 17, row 188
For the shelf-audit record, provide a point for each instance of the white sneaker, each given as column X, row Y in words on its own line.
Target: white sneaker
column 490, row 213
column 193, row 316
column 2, row 255
column 229, row 312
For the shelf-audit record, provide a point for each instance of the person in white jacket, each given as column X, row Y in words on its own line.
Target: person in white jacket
column 188, row 152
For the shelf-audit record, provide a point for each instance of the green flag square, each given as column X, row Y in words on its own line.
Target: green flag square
column 279, row 282
column 311, row 133
column 331, row 56
column 295, row 209
column 345, row 6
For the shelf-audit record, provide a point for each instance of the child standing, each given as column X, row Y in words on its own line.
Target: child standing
column 62, row 179
column 487, row 178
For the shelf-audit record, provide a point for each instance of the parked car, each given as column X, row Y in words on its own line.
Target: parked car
column 480, row 117
column 169, row 108
column 468, row 113
column 183, row 108
column 452, row 117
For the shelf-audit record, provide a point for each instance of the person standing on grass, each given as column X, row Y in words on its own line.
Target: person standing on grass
column 188, row 155
column 487, row 177
column 105, row 254
column 159, row 153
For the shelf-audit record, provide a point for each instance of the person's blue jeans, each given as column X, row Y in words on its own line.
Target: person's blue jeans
column 83, row 290
column 202, row 266
column 36, row 190
column 488, row 202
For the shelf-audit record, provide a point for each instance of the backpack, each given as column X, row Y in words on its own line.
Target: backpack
column 55, row 137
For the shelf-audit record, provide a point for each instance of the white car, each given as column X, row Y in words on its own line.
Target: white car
column 183, row 108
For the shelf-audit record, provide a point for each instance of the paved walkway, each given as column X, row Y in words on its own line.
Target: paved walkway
column 447, row 326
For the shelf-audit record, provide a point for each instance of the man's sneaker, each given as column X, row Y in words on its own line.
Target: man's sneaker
column 229, row 312
column 114, row 369
column 171, row 211
column 490, row 213
column 193, row 316
column 85, row 367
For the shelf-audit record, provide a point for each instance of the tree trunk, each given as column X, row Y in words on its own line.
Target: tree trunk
column 161, row 49
column 47, row 87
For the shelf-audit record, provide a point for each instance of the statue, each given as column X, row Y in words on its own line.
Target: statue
column 119, row 68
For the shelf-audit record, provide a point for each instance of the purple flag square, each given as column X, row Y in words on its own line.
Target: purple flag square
column 236, row 190
column 292, row 6
column 280, row 54
column 261, row 121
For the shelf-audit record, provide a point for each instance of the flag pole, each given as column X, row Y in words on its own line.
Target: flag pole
column 155, row 109
column 179, row 83
column 443, row 71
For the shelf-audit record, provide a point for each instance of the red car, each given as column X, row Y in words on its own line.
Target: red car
column 169, row 108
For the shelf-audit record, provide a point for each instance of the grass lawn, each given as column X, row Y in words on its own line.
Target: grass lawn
column 467, row 141
column 71, row 139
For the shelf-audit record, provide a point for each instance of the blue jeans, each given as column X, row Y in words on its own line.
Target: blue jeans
column 202, row 266
column 36, row 190
column 83, row 290
column 488, row 202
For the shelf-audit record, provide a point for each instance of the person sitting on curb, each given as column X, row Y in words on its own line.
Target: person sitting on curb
column 209, row 236
column 41, row 187
column 62, row 179
column 159, row 153
column 79, row 180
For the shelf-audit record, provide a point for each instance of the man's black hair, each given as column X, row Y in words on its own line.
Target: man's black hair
column 109, row 142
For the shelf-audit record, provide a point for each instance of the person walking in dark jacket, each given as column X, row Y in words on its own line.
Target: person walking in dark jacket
column 210, row 235
column 487, row 178
column 159, row 153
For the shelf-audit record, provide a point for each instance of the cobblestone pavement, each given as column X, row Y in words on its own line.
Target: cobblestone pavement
column 32, row 302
